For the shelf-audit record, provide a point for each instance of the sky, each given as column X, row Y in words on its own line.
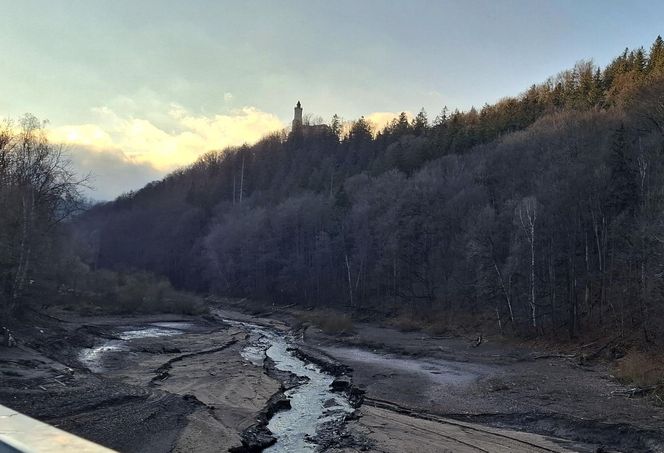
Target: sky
column 137, row 88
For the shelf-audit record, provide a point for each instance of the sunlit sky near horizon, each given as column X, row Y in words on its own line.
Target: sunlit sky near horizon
column 136, row 88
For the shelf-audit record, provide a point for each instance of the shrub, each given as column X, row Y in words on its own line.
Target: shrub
column 330, row 322
column 641, row 369
column 407, row 323
column 188, row 304
column 125, row 293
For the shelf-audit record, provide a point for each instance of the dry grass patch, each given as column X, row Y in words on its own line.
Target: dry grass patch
column 329, row 321
column 438, row 326
column 641, row 369
column 433, row 324
column 407, row 323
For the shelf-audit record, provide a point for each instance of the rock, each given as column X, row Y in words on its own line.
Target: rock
column 355, row 396
column 288, row 379
column 325, row 362
column 188, row 397
column 170, row 350
column 341, row 383
column 211, row 318
column 254, row 439
column 278, row 402
column 330, row 403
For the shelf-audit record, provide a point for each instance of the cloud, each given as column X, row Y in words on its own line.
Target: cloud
column 124, row 152
column 110, row 172
column 382, row 119
column 171, row 144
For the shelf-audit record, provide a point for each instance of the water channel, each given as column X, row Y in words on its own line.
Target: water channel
column 313, row 404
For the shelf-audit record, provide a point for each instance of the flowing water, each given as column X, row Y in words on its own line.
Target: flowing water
column 312, row 402
column 93, row 358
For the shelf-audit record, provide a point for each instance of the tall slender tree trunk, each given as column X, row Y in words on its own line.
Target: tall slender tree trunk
column 586, row 290
column 528, row 217
column 25, row 248
column 242, row 180
column 600, row 263
column 572, row 296
column 533, row 307
column 643, row 174
column 506, row 294
column 350, row 281
column 552, row 288
column 395, row 289
column 500, row 322
column 501, row 281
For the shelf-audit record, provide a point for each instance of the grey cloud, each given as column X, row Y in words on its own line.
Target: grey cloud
column 111, row 174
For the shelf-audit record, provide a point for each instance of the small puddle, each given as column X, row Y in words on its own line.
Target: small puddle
column 439, row 371
column 93, row 358
column 312, row 402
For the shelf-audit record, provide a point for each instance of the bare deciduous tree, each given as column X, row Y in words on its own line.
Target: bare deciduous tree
column 38, row 190
column 527, row 215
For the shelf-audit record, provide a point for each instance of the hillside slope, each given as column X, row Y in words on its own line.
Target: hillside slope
column 541, row 212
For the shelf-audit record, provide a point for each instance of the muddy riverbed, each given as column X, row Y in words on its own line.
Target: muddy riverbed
column 165, row 383
column 152, row 384
column 497, row 385
column 313, row 406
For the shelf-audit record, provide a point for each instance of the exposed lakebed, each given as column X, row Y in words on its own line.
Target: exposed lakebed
column 202, row 386
column 312, row 402
column 93, row 357
column 438, row 371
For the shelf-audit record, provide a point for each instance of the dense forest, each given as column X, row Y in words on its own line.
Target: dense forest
column 542, row 213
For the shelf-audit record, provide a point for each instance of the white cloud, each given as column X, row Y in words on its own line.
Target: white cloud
column 382, row 119
column 123, row 152
column 187, row 136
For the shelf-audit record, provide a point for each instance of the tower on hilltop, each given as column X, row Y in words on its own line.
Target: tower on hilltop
column 297, row 119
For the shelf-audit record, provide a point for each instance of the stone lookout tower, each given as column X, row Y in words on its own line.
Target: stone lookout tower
column 297, row 119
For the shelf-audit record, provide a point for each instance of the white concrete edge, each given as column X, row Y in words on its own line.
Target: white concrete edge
column 21, row 433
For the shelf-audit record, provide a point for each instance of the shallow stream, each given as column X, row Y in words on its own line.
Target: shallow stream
column 312, row 402
column 93, row 358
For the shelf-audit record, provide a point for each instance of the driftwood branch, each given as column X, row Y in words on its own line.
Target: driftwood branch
column 631, row 392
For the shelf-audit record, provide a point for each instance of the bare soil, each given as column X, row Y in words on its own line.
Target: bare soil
column 187, row 392
column 423, row 393
column 497, row 384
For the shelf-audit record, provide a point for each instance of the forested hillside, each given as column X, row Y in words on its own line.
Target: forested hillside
column 543, row 211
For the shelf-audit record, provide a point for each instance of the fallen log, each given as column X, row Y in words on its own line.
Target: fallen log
column 551, row 356
column 635, row 391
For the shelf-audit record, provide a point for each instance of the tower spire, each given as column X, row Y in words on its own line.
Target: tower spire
column 297, row 118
